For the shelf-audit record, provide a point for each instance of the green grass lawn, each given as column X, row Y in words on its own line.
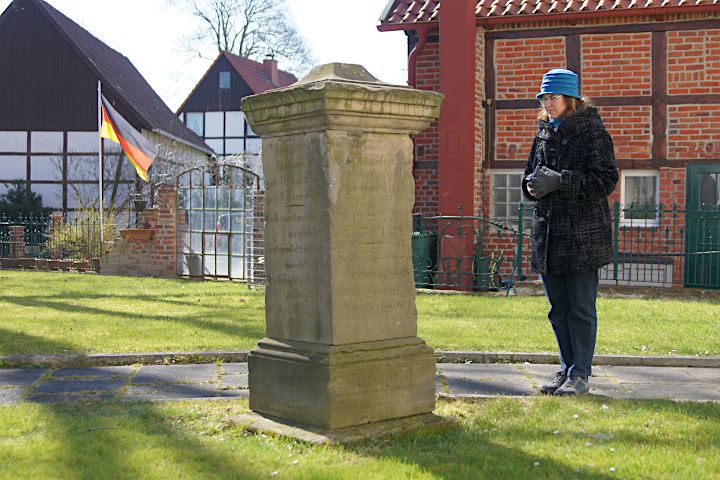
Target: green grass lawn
column 535, row 437
column 507, row 438
column 56, row 313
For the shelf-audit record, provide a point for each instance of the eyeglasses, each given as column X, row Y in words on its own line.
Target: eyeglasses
column 551, row 99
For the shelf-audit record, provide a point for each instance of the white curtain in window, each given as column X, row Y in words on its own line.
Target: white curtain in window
column 641, row 190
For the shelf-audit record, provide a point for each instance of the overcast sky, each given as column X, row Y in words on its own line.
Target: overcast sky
column 147, row 32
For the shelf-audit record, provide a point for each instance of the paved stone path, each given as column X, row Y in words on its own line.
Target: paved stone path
column 624, row 382
column 230, row 380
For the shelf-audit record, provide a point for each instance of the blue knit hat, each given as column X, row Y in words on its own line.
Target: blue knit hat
column 559, row 81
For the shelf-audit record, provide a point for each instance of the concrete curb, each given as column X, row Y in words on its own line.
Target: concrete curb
column 124, row 358
column 441, row 356
column 552, row 358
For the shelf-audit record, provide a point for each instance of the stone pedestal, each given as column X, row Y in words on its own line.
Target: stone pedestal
column 341, row 346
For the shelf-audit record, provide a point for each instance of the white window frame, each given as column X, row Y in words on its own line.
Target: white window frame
column 639, row 222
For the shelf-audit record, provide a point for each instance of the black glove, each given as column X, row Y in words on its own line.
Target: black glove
column 543, row 181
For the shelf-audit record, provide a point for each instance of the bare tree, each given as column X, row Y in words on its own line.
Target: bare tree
column 249, row 28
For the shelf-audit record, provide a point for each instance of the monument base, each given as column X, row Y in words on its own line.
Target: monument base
column 427, row 423
column 338, row 386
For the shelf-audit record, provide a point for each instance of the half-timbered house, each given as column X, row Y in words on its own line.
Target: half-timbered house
column 652, row 69
column 49, row 73
column 212, row 110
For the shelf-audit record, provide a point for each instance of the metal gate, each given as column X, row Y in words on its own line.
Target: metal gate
column 257, row 247
column 215, row 219
column 702, row 268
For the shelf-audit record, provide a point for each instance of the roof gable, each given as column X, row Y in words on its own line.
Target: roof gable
column 405, row 14
column 251, row 72
column 121, row 82
column 255, row 76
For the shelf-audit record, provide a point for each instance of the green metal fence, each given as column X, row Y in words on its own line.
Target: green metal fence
column 43, row 242
column 467, row 253
column 654, row 245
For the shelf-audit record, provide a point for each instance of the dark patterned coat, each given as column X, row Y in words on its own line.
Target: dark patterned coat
column 571, row 227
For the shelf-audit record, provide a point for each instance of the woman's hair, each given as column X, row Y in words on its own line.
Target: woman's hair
column 573, row 105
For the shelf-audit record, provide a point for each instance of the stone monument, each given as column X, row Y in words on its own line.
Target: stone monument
column 341, row 346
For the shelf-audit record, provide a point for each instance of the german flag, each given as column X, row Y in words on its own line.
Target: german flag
column 139, row 150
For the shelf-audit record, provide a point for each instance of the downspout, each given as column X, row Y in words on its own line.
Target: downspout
column 422, row 31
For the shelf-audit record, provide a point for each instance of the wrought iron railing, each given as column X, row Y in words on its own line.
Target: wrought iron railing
column 29, row 242
column 468, row 253
column 654, row 245
column 664, row 245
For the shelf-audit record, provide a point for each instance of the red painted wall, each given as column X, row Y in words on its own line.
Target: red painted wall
column 457, row 115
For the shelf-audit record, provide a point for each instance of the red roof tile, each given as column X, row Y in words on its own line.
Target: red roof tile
column 255, row 76
column 252, row 72
column 405, row 13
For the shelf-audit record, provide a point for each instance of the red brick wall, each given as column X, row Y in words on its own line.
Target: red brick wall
column 630, row 130
column 672, row 191
column 426, row 142
column 613, row 65
column 672, row 187
column 693, row 68
column 694, row 131
column 617, row 64
column 155, row 256
column 514, row 130
column 521, row 63
column 693, row 62
column 480, row 191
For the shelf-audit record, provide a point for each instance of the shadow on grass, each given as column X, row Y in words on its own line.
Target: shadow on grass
column 224, row 320
column 16, row 343
column 477, row 450
column 469, row 454
column 153, row 440
column 133, row 440
column 142, row 440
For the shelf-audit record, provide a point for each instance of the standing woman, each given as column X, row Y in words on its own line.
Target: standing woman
column 570, row 173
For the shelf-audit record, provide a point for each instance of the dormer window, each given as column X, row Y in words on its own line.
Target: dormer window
column 224, row 79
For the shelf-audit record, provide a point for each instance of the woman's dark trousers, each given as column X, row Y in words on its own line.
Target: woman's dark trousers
column 573, row 318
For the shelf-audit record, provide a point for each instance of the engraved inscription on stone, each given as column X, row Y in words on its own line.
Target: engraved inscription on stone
column 334, row 244
column 296, row 240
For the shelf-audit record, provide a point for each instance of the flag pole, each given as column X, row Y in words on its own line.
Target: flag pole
column 100, row 164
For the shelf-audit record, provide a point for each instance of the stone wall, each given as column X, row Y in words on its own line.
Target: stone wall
column 150, row 249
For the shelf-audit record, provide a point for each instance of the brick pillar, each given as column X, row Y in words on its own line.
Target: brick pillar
column 166, row 231
column 17, row 241
column 150, row 249
column 457, row 117
column 147, row 219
